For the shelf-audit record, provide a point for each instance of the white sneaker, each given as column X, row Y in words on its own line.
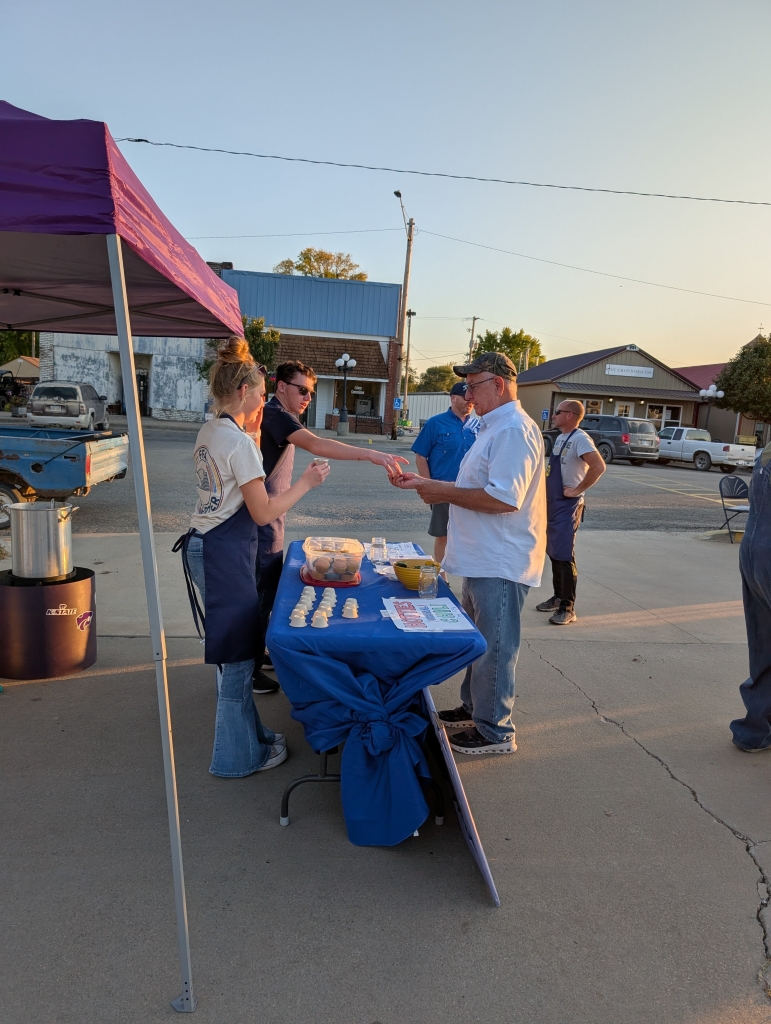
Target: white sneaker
column 279, row 739
column 276, row 757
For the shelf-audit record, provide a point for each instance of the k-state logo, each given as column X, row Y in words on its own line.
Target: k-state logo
column 62, row 610
column 84, row 620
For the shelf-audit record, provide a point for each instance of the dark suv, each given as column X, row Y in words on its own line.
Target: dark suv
column 617, row 437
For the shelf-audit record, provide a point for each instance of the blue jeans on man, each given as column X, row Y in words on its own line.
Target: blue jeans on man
column 753, row 732
column 488, row 688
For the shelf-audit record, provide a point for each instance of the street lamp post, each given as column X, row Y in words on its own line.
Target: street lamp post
column 345, row 363
column 709, row 395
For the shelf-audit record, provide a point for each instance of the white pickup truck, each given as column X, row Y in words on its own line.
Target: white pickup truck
column 688, row 444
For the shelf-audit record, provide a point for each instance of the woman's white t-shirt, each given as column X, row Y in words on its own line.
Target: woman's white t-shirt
column 225, row 458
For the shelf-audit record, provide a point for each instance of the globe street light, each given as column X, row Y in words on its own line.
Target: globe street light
column 345, row 363
column 709, row 395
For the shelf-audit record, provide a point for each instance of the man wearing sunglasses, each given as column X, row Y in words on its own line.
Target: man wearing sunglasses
column 497, row 542
column 282, row 432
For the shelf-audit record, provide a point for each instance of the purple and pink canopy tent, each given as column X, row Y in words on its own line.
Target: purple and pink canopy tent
column 83, row 248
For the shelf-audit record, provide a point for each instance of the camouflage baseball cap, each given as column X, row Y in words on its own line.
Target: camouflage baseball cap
column 497, row 363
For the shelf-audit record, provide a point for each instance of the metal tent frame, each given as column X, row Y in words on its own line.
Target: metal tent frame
column 186, row 1001
column 79, row 237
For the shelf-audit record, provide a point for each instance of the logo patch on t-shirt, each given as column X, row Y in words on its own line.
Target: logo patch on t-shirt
column 209, row 483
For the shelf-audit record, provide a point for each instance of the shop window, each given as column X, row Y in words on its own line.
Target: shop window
column 673, row 415
column 362, row 397
column 655, row 413
column 593, row 406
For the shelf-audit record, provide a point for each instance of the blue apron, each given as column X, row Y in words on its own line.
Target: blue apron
column 563, row 515
column 232, row 617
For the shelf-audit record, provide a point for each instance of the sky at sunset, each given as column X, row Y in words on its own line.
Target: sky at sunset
column 656, row 97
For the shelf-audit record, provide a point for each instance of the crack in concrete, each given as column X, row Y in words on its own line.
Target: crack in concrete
column 764, row 882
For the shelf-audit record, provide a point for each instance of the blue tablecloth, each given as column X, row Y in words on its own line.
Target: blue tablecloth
column 359, row 682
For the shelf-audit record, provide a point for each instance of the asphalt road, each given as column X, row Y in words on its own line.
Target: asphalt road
column 358, row 500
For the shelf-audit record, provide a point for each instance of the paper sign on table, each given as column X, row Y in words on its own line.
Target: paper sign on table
column 422, row 615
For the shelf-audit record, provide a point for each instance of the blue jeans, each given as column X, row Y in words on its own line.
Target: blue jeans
column 753, row 732
column 487, row 693
column 241, row 741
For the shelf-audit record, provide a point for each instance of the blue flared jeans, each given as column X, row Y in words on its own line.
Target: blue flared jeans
column 241, row 741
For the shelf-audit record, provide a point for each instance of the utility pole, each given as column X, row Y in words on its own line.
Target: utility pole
column 410, row 315
column 527, row 358
column 471, row 343
column 410, row 228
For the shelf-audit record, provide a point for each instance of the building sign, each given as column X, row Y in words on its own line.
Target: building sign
column 620, row 370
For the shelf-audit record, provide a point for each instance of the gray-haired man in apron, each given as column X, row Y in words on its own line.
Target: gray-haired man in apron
column 573, row 466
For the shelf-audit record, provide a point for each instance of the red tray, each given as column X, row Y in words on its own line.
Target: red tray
column 307, row 578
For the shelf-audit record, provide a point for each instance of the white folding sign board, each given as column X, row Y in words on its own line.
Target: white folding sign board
column 462, row 808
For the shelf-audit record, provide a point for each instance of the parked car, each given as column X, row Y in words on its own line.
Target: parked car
column 68, row 405
column 689, row 444
column 617, row 437
column 41, row 464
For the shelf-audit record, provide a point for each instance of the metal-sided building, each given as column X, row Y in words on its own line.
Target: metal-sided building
column 319, row 320
column 620, row 381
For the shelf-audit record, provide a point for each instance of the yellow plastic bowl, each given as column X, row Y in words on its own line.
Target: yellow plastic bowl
column 408, row 570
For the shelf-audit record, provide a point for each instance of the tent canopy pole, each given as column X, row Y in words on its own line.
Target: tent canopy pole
column 186, row 1002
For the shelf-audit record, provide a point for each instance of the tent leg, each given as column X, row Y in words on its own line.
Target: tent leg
column 186, row 1002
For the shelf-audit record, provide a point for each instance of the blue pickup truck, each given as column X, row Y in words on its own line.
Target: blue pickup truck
column 47, row 463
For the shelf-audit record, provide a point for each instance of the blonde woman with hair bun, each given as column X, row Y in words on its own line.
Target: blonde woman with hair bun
column 219, row 554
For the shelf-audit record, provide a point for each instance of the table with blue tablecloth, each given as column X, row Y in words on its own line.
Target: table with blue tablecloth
column 359, row 682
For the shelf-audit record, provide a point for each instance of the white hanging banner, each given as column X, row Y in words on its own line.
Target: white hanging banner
column 622, row 370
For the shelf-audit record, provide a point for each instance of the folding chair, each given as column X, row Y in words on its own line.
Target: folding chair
column 733, row 490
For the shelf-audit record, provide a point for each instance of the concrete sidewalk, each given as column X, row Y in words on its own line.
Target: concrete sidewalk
column 629, row 840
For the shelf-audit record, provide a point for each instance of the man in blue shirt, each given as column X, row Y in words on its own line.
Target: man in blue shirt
column 439, row 449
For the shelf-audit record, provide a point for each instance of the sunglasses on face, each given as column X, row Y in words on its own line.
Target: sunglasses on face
column 301, row 388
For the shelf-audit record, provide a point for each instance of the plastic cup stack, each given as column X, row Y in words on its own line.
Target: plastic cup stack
column 297, row 618
column 319, row 620
column 351, row 609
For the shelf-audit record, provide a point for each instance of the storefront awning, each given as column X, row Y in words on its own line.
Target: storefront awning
column 626, row 391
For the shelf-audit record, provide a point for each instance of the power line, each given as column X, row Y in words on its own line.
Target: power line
column 454, row 177
column 296, row 234
column 599, row 273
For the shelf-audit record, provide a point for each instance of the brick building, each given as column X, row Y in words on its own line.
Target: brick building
column 319, row 320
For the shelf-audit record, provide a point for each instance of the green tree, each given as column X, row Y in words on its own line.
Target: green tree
column 263, row 345
column 437, row 378
column 413, row 381
column 515, row 345
column 321, row 263
column 746, row 380
column 14, row 344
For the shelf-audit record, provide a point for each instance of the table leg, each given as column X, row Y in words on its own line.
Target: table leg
column 322, row 776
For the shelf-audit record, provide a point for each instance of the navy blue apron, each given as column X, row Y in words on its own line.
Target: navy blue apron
column 563, row 515
column 232, row 617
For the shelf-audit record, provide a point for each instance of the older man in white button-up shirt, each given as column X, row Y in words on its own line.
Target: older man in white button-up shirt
column 497, row 542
